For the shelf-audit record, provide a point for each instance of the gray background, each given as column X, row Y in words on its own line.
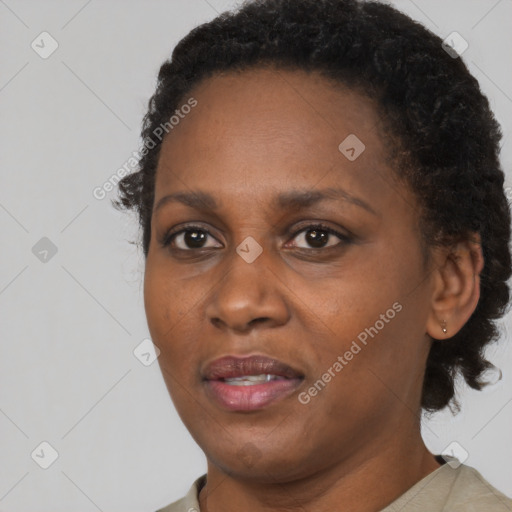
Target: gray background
column 70, row 323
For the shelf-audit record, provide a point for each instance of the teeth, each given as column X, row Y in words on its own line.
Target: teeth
column 250, row 380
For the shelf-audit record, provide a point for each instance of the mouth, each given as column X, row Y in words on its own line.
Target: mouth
column 249, row 383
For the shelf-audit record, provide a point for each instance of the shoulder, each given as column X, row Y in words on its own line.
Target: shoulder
column 189, row 502
column 460, row 489
column 471, row 492
column 454, row 489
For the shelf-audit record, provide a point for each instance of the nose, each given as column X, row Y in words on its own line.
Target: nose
column 249, row 294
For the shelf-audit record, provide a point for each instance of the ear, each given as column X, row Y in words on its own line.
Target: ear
column 456, row 287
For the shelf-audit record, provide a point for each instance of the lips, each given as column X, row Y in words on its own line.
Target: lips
column 231, row 367
column 249, row 383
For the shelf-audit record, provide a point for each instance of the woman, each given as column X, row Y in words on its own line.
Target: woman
column 326, row 240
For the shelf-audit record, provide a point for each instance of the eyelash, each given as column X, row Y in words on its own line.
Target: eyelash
column 170, row 236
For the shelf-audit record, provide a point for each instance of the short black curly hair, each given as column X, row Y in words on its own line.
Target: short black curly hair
column 445, row 139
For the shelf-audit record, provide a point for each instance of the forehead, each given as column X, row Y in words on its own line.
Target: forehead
column 269, row 100
column 270, row 112
column 265, row 129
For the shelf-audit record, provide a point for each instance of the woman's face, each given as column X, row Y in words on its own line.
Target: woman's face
column 252, row 276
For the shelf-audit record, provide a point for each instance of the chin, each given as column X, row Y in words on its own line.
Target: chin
column 260, row 461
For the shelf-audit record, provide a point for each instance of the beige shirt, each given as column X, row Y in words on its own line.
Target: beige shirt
column 447, row 489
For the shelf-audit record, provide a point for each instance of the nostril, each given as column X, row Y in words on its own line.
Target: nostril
column 258, row 320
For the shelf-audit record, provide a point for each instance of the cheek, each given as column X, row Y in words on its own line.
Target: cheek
column 342, row 306
column 156, row 301
column 370, row 315
column 172, row 309
column 162, row 314
column 167, row 300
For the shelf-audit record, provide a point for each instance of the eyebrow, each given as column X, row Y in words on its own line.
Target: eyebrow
column 294, row 199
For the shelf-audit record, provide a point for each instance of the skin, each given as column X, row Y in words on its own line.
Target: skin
column 252, row 136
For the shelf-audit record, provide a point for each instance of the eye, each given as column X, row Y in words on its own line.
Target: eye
column 187, row 239
column 319, row 236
